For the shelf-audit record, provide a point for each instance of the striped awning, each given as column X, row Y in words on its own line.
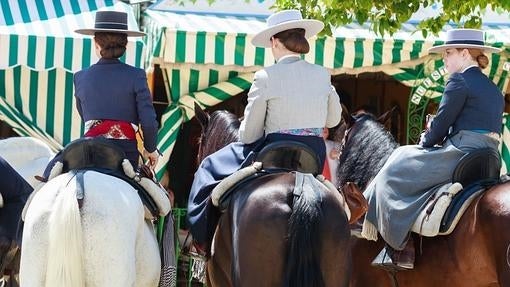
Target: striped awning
column 198, row 39
column 197, row 51
column 52, row 43
column 14, row 12
column 41, row 53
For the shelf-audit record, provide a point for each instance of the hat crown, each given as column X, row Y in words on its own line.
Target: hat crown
column 284, row 16
column 465, row 36
column 111, row 20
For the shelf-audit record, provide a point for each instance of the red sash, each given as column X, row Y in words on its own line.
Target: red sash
column 112, row 129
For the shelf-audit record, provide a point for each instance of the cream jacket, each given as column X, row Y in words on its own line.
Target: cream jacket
column 291, row 94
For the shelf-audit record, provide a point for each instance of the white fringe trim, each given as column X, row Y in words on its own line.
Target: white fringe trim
column 369, row 231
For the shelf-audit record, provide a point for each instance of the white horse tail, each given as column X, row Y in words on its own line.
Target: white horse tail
column 65, row 256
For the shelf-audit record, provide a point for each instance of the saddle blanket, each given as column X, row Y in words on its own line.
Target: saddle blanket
column 437, row 218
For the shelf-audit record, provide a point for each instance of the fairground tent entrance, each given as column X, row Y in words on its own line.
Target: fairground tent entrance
column 40, row 54
column 207, row 57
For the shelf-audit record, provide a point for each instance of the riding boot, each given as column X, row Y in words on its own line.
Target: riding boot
column 396, row 260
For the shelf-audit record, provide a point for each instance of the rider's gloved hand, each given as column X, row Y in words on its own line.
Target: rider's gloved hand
column 152, row 157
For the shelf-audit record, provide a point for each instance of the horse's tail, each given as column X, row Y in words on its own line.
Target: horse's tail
column 303, row 265
column 65, row 257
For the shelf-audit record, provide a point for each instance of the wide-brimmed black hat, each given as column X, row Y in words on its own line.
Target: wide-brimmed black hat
column 110, row 22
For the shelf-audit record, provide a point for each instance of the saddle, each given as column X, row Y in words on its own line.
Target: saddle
column 289, row 155
column 475, row 172
column 87, row 153
column 100, row 155
column 280, row 156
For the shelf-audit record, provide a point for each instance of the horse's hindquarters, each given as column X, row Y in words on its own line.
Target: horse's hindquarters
column 253, row 236
column 113, row 227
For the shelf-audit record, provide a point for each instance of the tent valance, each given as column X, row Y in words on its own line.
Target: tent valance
column 52, row 43
column 14, row 12
column 225, row 41
column 41, row 53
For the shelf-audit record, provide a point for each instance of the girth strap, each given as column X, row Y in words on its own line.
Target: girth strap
column 298, row 186
column 80, row 184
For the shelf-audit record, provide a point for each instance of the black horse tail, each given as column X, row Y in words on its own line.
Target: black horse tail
column 303, row 258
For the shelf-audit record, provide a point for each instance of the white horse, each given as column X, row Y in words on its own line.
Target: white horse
column 106, row 242
column 28, row 156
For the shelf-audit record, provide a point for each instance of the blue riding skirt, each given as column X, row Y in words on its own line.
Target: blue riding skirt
column 15, row 192
column 202, row 216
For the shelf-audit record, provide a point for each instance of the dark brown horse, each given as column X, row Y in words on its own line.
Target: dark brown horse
column 476, row 254
column 268, row 237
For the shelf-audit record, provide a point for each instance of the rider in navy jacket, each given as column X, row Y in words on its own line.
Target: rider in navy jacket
column 463, row 96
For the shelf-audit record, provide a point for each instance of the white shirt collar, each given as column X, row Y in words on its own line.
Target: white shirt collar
column 288, row 56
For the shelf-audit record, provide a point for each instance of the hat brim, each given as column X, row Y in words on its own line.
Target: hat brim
column 263, row 38
column 91, row 32
column 441, row 48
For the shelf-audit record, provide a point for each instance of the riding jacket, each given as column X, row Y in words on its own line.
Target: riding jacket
column 292, row 94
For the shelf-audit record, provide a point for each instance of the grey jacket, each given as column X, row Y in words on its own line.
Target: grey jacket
column 291, row 94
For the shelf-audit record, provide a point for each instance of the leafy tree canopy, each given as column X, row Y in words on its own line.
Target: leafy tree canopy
column 387, row 16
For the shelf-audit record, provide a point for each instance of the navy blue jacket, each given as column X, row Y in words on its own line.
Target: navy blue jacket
column 471, row 101
column 15, row 192
column 112, row 90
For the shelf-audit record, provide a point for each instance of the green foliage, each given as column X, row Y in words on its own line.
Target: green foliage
column 387, row 16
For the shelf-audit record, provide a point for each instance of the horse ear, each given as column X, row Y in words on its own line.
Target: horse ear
column 202, row 116
column 386, row 116
column 347, row 117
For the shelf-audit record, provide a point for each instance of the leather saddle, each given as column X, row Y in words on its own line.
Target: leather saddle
column 280, row 156
column 476, row 171
column 87, row 153
column 290, row 156
column 100, row 155
column 479, row 164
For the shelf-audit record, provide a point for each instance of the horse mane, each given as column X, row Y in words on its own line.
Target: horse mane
column 222, row 129
column 368, row 147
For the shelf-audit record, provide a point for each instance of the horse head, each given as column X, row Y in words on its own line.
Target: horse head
column 219, row 129
column 365, row 147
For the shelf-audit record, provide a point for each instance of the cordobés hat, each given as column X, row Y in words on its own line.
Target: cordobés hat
column 110, row 22
column 464, row 38
column 285, row 20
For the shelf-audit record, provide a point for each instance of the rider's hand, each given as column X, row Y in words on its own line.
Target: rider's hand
column 422, row 138
column 153, row 158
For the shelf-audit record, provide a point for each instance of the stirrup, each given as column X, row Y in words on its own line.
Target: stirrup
column 385, row 261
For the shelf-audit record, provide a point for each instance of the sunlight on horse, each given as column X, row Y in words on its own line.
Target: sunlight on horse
column 254, row 244
column 111, row 239
column 28, row 156
column 475, row 254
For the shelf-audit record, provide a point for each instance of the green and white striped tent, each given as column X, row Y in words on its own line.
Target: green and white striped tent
column 40, row 54
column 207, row 58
